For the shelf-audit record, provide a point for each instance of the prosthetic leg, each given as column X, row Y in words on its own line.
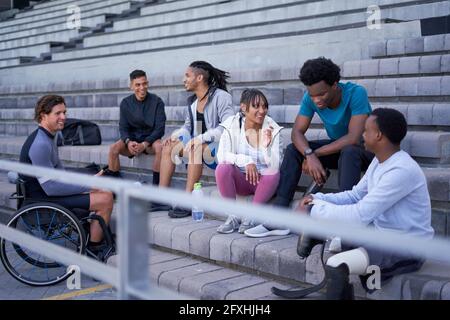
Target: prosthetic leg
column 337, row 271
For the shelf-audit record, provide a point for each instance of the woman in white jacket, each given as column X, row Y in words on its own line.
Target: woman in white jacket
column 249, row 157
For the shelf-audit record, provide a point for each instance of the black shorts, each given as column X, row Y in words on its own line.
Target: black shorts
column 79, row 201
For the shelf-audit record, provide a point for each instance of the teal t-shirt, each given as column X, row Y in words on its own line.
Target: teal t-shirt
column 354, row 101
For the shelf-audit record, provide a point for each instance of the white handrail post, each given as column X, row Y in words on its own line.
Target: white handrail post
column 133, row 245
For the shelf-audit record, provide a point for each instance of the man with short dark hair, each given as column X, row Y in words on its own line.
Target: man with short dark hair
column 141, row 124
column 40, row 150
column 343, row 109
column 392, row 196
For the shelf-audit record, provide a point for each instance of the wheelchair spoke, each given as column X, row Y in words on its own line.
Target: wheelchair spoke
column 39, row 223
column 65, row 236
column 50, row 225
column 27, row 225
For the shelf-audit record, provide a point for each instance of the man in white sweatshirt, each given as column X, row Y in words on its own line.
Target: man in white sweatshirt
column 392, row 195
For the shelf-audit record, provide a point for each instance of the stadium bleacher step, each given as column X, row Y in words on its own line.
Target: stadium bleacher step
column 400, row 69
column 271, row 260
column 207, row 280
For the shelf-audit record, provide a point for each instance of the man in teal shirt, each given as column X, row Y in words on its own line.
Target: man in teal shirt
column 343, row 109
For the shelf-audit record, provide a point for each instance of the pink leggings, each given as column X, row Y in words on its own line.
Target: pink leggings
column 231, row 182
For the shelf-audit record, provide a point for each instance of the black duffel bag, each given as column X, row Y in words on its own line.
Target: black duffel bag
column 79, row 132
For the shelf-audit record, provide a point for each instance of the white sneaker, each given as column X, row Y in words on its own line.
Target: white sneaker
column 230, row 225
column 260, row 231
column 245, row 225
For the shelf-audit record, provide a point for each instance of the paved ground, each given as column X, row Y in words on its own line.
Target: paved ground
column 11, row 289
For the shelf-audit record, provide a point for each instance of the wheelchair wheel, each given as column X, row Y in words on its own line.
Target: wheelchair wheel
column 49, row 222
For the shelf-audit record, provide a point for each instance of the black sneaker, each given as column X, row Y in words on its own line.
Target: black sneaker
column 179, row 213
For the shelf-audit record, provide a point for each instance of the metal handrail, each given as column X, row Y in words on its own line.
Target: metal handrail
column 133, row 216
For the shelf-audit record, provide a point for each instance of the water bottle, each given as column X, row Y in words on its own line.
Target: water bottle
column 197, row 213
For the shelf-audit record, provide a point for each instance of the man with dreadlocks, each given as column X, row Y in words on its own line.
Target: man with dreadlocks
column 209, row 106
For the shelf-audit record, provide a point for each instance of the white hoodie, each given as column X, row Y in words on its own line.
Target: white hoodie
column 230, row 140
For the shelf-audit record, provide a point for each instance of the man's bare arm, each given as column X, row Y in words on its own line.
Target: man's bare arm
column 355, row 130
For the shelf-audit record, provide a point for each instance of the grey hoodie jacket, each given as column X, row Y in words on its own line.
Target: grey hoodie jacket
column 218, row 108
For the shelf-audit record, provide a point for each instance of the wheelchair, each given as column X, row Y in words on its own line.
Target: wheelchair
column 56, row 224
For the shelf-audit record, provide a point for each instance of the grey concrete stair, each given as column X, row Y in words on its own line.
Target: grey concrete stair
column 197, row 256
column 60, row 9
column 76, row 69
column 117, row 7
column 62, row 35
column 15, row 61
column 261, row 10
column 438, row 178
column 416, row 65
column 414, row 88
column 220, row 16
column 276, row 256
column 410, row 46
column 212, row 34
column 209, row 281
column 87, row 21
column 34, row 50
column 30, row 31
column 416, row 114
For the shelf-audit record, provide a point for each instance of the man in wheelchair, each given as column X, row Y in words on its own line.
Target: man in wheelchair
column 39, row 149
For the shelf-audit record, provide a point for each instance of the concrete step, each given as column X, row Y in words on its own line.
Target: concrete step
column 232, row 14
column 34, row 51
column 410, row 46
column 418, row 115
column 226, row 15
column 62, row 35
column 414, row 88
column 167, row 13
column 407, row 91
column 117, row 7
column 50, row 28
column 87, row 21
column 193, row 249
column 206, row 280
column 275, row 256
column 61, row 9
column 427, row 147
column 282, row 24
column 285, row 67
column 157, row 9
column 321, row 6
column 438, row 178
column 15, row 61
column 51, row 3
column 399, row 66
